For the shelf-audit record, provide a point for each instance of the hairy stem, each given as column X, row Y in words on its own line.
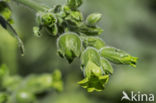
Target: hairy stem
column 31, row 5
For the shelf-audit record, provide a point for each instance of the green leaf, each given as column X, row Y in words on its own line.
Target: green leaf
column 74, row 4
column 12, row 32
column 5, row 11
column 90, row 54
column 69, row 46
column 95, row 42
column 106, row 66
column 94, row 18
column 94, row 78
column 118, row 56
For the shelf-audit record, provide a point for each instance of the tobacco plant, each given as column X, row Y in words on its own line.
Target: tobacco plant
column 77, row 37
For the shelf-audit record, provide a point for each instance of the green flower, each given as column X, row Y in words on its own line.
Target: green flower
column 95, row 42
column 94, row 18
column 94, row 78
column 106, row 66
column 90, row 54
column 69, row 46
column 74, row 4
column 48, row 19
column 118, row 56
column 94, row 75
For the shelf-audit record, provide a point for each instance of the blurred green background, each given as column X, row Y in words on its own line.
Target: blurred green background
column 128, row 24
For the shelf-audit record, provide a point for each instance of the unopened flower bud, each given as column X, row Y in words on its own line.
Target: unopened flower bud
column 95, row 42
column 90, row 54
column 94, row 18
column 118, row 56
column 106, row 66
column 69, row 46
column 74, row 4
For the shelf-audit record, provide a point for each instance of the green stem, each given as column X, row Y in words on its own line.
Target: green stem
column 31, row 5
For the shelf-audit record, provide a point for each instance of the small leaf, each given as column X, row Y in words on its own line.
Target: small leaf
column 69, row 46
column 118, row 56
column 106, row 66
column 5, row 11
column 95, row 42
column 94, row 18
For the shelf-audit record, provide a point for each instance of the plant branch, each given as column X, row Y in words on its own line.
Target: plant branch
column 31, row 5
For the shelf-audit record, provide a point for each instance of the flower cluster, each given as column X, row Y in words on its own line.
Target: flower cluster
column 78, row 38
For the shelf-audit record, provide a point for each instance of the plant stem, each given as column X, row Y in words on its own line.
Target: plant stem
column 31, row 5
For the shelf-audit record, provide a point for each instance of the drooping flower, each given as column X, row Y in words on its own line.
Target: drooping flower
column 69, row 46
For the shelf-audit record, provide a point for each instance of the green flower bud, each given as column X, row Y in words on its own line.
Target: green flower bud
column 53, row 30
column 106, row 66
column 90, row 54
column 47, row 19
column 69, row 46
column 74, row 19
column 94, row 75
column 94, row 78
column 25, row 96
column 118, row 56
column 90, row 30
column 76, row 15
column 74, row 4
column 95, row 42
column 57, row 82
column 92, row 19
